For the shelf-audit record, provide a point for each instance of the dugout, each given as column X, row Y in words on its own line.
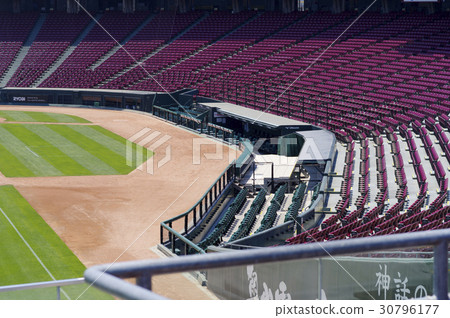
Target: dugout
column 252, row 123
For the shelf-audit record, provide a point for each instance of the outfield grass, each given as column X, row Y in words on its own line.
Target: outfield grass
column 24, row 116
column 31, row 150
column 19, row 263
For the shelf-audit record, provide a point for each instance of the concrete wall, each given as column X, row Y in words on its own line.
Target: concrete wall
column 340, row 278
column 84, row 97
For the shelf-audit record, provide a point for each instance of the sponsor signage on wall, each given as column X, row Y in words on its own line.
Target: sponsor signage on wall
column 29, row 99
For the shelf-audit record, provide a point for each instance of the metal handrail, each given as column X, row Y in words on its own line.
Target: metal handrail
column 203, row 196
column 167, row 224
column 108, row 277
column 182, row 238
column 54, row 283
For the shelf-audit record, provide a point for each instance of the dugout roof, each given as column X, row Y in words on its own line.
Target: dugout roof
column 254, row 116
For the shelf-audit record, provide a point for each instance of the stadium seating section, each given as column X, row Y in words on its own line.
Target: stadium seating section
column 381, row 84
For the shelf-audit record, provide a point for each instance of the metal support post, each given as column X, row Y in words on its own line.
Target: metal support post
column 441, row 270
column 145, row 281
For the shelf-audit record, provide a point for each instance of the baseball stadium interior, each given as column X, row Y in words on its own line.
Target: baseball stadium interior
column 340, row 110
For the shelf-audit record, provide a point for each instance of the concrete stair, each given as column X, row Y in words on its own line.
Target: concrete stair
column 121, row 44
column 194, row 53
column 144, row 59
column 23, row 51
column 66, row 53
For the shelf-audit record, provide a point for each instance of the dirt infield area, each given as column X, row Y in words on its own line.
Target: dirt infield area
column 104, row 219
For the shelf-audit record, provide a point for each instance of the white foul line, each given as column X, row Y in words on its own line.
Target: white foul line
column 32, row 152
column 31, row 249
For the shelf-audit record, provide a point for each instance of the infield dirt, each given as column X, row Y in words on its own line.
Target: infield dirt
column 105, row 219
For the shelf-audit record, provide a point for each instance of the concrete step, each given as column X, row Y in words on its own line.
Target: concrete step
column 144, row 59
column 121, row 44
column 65, row 54
column 23, row 51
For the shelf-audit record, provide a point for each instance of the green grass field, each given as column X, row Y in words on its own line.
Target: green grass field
column 45, row 144
column 22, row 116
column 32, row 150
column 26, row 241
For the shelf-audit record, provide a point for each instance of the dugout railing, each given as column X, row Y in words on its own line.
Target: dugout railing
column 173, row 231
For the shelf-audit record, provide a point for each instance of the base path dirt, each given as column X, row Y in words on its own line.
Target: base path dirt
column 105, row 219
